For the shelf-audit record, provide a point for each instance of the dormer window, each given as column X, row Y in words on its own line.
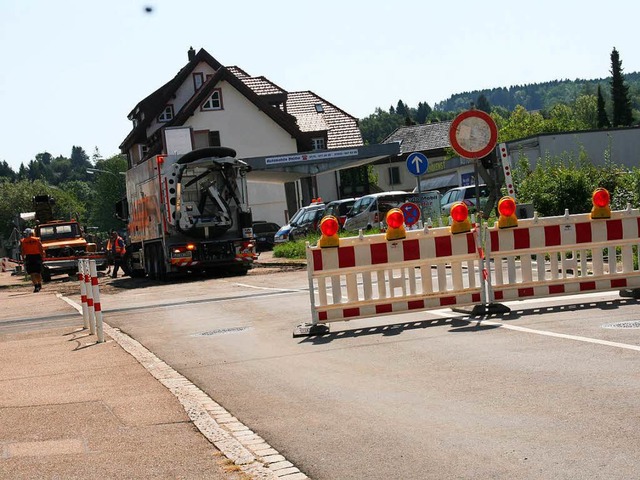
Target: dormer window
column 167, row 114
column 214, row 102
column 198, row 80
column 318, row 143
column 319, row 108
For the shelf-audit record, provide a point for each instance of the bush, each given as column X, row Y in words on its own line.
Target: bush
column 564, row 182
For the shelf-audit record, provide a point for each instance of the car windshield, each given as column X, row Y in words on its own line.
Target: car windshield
column 296, row 217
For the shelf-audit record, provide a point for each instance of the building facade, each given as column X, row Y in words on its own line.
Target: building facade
column 225, row 106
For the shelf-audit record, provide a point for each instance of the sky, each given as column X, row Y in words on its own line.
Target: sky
column 72, row 70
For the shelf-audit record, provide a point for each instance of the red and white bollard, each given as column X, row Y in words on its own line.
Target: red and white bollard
column 89, row 290
column 97, row 308
column 83, row 293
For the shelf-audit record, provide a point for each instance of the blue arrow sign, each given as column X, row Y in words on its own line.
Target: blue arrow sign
column 417, row 163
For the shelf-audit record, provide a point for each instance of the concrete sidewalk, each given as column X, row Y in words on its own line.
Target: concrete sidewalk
column 73, row 408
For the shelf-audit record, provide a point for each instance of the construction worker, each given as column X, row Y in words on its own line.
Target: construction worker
column 117, row 248
column 32, row 255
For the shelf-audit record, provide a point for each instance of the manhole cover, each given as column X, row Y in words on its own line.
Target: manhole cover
column 222, row 331
column 635, row 324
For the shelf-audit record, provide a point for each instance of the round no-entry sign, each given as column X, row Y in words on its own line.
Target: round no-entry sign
column 473, row 134
column 411, row 213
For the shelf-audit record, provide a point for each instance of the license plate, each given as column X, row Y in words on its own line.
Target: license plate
column 262, row 239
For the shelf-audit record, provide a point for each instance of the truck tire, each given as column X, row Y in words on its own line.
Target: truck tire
column 128, row 266
column 161, row 268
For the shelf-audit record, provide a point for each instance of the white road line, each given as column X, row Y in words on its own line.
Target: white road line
column 449, row 314
column 283, row 290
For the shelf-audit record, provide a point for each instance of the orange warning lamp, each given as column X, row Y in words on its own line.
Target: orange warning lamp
column 329, row 227
column 460, row 216
column 507, row 210
column 600, row 200
column 395, row 225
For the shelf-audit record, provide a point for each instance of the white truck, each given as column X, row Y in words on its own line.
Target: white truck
column 189, row 213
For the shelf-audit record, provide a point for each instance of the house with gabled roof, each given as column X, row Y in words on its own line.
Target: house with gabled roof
column 225, row 106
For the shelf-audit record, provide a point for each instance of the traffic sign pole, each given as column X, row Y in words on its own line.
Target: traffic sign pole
column 418, row 164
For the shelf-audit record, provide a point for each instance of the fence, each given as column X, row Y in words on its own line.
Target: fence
column 367, row 276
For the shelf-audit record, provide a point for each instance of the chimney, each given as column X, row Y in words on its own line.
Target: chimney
column 191, row 54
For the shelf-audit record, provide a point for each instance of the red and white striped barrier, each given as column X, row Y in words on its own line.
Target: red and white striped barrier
column 564, row 255
column 90, row 292
column 367, row 276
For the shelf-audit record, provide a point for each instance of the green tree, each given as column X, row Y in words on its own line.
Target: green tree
column 423, row 112
column 603, row 118
column 378, row 126
column 6, row 172
column 401, row 109
column 521, row 124
column 585, row 111
column 109, row 187
column 483, row 104
column 16, row 198
column 622, row 114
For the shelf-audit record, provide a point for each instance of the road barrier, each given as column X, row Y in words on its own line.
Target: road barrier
column 90, row 294
column 565, row 255
column 467, row 264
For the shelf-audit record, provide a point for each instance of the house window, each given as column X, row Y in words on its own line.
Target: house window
column 318, row 144
column 394, row 175
column 319, row 108
column 214, row 102
column 167, row 114
column 214, row 139
column 198, row 80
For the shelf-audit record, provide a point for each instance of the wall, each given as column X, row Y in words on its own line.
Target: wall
column 251, row 133
column 243, row 126
column 624, row 145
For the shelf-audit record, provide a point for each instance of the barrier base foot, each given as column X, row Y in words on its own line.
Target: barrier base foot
column 483, row 310
column 309, row 329
column 630, row 293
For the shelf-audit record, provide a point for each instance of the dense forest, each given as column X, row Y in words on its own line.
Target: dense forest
column 541, row 96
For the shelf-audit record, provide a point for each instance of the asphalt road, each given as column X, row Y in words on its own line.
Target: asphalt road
column 546, row 392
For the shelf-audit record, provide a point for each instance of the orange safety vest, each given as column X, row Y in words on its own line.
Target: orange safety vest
column 119, row 246
column 31, row 246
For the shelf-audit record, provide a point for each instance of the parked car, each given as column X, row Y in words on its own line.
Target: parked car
column 264, row 232
column 465, row 194
column 307, row 223
column 369, row 211
column 288, row 232
column 339, row 209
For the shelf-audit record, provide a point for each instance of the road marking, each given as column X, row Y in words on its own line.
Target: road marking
column 449, row 314
column 285, row 290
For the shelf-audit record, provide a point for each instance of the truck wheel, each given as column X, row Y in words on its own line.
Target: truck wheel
column 161, row 267
column 240, row 270
column 129, row 268
column 149, row 262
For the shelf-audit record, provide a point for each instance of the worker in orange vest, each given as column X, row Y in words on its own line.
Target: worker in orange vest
column 32, row 254
column 117, row 248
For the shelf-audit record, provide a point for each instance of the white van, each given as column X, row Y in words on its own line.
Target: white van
column 369, row 211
